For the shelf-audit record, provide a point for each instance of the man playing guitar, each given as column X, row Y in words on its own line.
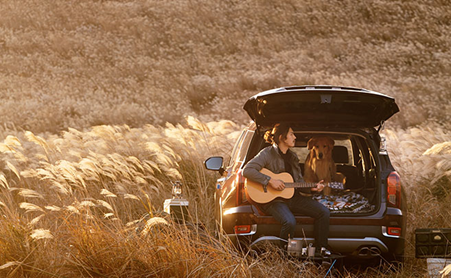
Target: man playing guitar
column 279, row 158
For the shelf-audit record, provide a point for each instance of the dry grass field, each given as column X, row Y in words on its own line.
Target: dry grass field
column 105, row 103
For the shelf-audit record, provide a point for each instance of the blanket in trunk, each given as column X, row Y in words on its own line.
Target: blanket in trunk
column 347, row 202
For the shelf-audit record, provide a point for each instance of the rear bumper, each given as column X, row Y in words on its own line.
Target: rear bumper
column 362, row 247
column 352, row 236
column 365, row 247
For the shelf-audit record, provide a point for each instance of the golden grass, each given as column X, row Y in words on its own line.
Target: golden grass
column 76, row 204
column 77, row 195
column 81, row 81
column 421, row 156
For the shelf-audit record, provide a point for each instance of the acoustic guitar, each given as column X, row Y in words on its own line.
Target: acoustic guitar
column 255, row 191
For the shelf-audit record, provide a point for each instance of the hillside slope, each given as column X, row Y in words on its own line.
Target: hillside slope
column 83, row 63
column 74, row 200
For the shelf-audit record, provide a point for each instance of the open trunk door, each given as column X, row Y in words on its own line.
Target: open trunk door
column 321, row 106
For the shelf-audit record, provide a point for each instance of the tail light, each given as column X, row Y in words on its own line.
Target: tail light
column 240, row 193
column 394, row 190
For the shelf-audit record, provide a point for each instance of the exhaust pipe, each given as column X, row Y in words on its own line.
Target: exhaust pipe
column 375, row 251
column 369, row 252
column 364, row 252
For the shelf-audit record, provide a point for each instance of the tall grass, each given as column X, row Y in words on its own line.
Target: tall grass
column 422, row 157
column 105, row 103
column 72, row 204
column 89, row 203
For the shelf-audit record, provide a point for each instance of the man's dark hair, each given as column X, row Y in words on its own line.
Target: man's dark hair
column 272, row 136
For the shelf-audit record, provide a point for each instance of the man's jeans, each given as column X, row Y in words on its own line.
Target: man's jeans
column 302, row 205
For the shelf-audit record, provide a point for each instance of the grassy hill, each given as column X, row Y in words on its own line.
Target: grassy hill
column 83, row 63
column 104, row 103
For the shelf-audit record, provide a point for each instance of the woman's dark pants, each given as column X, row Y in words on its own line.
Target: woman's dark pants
column 283, row 212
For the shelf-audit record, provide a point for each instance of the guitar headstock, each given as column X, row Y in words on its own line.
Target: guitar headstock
column 335, row 185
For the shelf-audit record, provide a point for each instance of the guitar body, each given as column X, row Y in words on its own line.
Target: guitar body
column 255, row 192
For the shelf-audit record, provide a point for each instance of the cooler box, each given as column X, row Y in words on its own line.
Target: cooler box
column 433, row 243
column 177, row 208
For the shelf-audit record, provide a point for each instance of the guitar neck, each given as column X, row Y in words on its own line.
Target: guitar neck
column 335, row 185
column 300, row 184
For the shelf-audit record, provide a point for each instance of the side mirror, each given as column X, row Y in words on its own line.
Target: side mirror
column 215, row 163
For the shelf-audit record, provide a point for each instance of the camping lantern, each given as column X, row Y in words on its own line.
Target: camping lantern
column 177, row 190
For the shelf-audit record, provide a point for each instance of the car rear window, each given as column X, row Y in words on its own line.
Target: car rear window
column 302, row 151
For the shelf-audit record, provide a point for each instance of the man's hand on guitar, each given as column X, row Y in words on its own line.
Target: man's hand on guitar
column 276, row 184
column 319, row 186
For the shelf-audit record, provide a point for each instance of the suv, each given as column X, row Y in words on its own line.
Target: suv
column 367, row 218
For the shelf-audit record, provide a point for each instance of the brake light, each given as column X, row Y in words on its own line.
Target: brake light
column 242, row 229
column 394, row 190
column 240, row 193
